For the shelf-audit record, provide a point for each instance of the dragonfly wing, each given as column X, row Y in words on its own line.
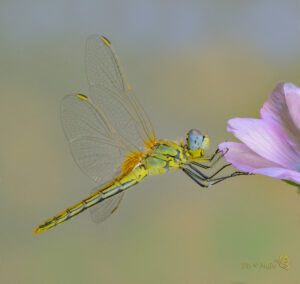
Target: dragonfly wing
column 121, row 117
column 110, row 91
column 98, row 160
column 105, row 127
column 103, row 210
column 94, row 147
column 102, row 65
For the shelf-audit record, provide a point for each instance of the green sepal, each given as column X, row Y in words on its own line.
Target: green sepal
column 291, row 183
column 294, row 184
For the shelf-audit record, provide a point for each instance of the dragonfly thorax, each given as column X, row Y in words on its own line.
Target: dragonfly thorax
column 166, row 155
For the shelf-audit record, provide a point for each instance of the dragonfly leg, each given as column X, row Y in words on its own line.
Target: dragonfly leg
column 219, row 154
column 213, row 159
column 214, row 155
column 204, row 176
column 195, row 177
column 207, row 181
column 199, row 173
column 214, row 181
column 218, row 171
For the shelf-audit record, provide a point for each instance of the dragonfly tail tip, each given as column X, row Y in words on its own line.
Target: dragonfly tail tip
column 37, row 230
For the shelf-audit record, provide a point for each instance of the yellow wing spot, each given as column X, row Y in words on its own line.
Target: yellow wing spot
column 82, row 97
column 105, row 40
column 131, row 161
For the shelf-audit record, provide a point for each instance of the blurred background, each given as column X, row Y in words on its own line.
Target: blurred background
column 193, row 64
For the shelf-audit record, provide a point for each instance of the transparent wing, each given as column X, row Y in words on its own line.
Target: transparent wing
column 94, row 146
column 104, row 127
column 103, row 210
column 110, row 91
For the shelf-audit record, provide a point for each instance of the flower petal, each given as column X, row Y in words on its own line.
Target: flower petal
column 267, row 139
column 292, row 97
column 280, row 173
column 243, row 158
column 282, row 108
column 275, row 107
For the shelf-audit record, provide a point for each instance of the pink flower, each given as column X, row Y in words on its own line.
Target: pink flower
column 270, row 145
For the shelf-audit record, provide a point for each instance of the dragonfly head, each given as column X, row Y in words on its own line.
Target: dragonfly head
column 196, row 143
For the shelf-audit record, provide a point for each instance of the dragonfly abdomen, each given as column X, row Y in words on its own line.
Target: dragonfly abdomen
column 118, row 185
column 70, row 212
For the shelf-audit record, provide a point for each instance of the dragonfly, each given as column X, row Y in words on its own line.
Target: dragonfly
column 114, row 143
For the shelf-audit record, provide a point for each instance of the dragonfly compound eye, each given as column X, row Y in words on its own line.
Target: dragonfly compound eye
column 194, row 139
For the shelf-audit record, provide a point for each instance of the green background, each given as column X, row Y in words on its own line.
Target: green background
column 193, row 64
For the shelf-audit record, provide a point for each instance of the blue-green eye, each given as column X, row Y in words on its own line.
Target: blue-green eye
column 194, row 139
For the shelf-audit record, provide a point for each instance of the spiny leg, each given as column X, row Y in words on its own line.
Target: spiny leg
column 220, row 179
column 211, row 159
column 205, row 177
column 219, row 157
column 201, row 178
column 214, row 155
column 218, row 171
column 194, row 177
column 197, row 176
column 208, row 160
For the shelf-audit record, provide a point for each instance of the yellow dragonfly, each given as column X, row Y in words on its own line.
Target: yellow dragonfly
column 112, row 139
